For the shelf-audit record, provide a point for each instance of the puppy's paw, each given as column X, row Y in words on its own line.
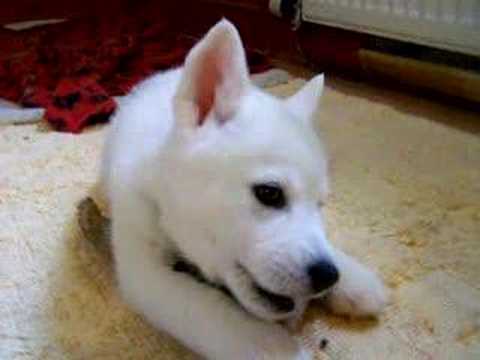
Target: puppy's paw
column 280, row 345
column 303, row 354
column 359, row 293
column 282, row 353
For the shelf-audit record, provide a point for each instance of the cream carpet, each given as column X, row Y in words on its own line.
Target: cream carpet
column 406, row 199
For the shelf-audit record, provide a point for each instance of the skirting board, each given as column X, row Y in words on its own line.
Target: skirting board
column 441, row 78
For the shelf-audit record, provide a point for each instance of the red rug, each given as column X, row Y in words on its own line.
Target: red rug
column 73, row 69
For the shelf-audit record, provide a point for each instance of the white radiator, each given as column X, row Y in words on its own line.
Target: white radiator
column 448, row 24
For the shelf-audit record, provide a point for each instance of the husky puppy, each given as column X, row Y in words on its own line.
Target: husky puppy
column 216, row 191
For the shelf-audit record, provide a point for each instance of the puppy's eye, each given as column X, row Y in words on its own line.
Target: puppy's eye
column 270, row 195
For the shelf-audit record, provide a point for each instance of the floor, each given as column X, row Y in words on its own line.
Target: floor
column 405, row 199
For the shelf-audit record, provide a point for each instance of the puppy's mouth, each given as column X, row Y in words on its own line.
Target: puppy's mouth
column 245, row 290
column 278, row 303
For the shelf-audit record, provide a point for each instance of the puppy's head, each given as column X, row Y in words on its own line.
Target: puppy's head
column 244, row 181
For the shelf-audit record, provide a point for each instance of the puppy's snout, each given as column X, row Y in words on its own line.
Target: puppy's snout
column 323, row 275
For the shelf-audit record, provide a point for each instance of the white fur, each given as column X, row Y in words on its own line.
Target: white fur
column 184, row 149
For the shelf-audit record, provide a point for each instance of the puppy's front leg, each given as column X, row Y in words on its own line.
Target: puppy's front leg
column 359, row 292
column 202, row 317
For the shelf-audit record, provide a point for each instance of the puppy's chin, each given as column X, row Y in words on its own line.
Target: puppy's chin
column 257, row 300
column 242, row 287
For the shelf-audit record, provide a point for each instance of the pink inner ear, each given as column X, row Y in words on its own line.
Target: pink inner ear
column 208, row 79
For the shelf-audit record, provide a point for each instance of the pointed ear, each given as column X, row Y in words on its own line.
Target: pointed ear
column 305, row 102
column 215, row 77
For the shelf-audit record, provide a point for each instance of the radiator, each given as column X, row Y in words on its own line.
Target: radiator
column 447, row 24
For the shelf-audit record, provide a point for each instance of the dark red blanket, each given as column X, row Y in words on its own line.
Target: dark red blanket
column 74, row 68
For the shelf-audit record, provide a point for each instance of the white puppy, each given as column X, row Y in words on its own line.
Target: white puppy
column 216, row 191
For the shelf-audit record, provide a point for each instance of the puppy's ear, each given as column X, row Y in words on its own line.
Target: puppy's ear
column 214, row 78
column 304, row 103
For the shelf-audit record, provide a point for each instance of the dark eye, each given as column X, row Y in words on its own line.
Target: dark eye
column 270, row 195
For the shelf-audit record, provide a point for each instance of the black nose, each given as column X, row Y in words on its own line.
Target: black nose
column 323, row 274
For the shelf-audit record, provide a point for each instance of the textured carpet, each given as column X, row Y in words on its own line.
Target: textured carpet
column 406, row 199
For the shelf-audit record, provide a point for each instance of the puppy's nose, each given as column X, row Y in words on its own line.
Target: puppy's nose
column 323, row 274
